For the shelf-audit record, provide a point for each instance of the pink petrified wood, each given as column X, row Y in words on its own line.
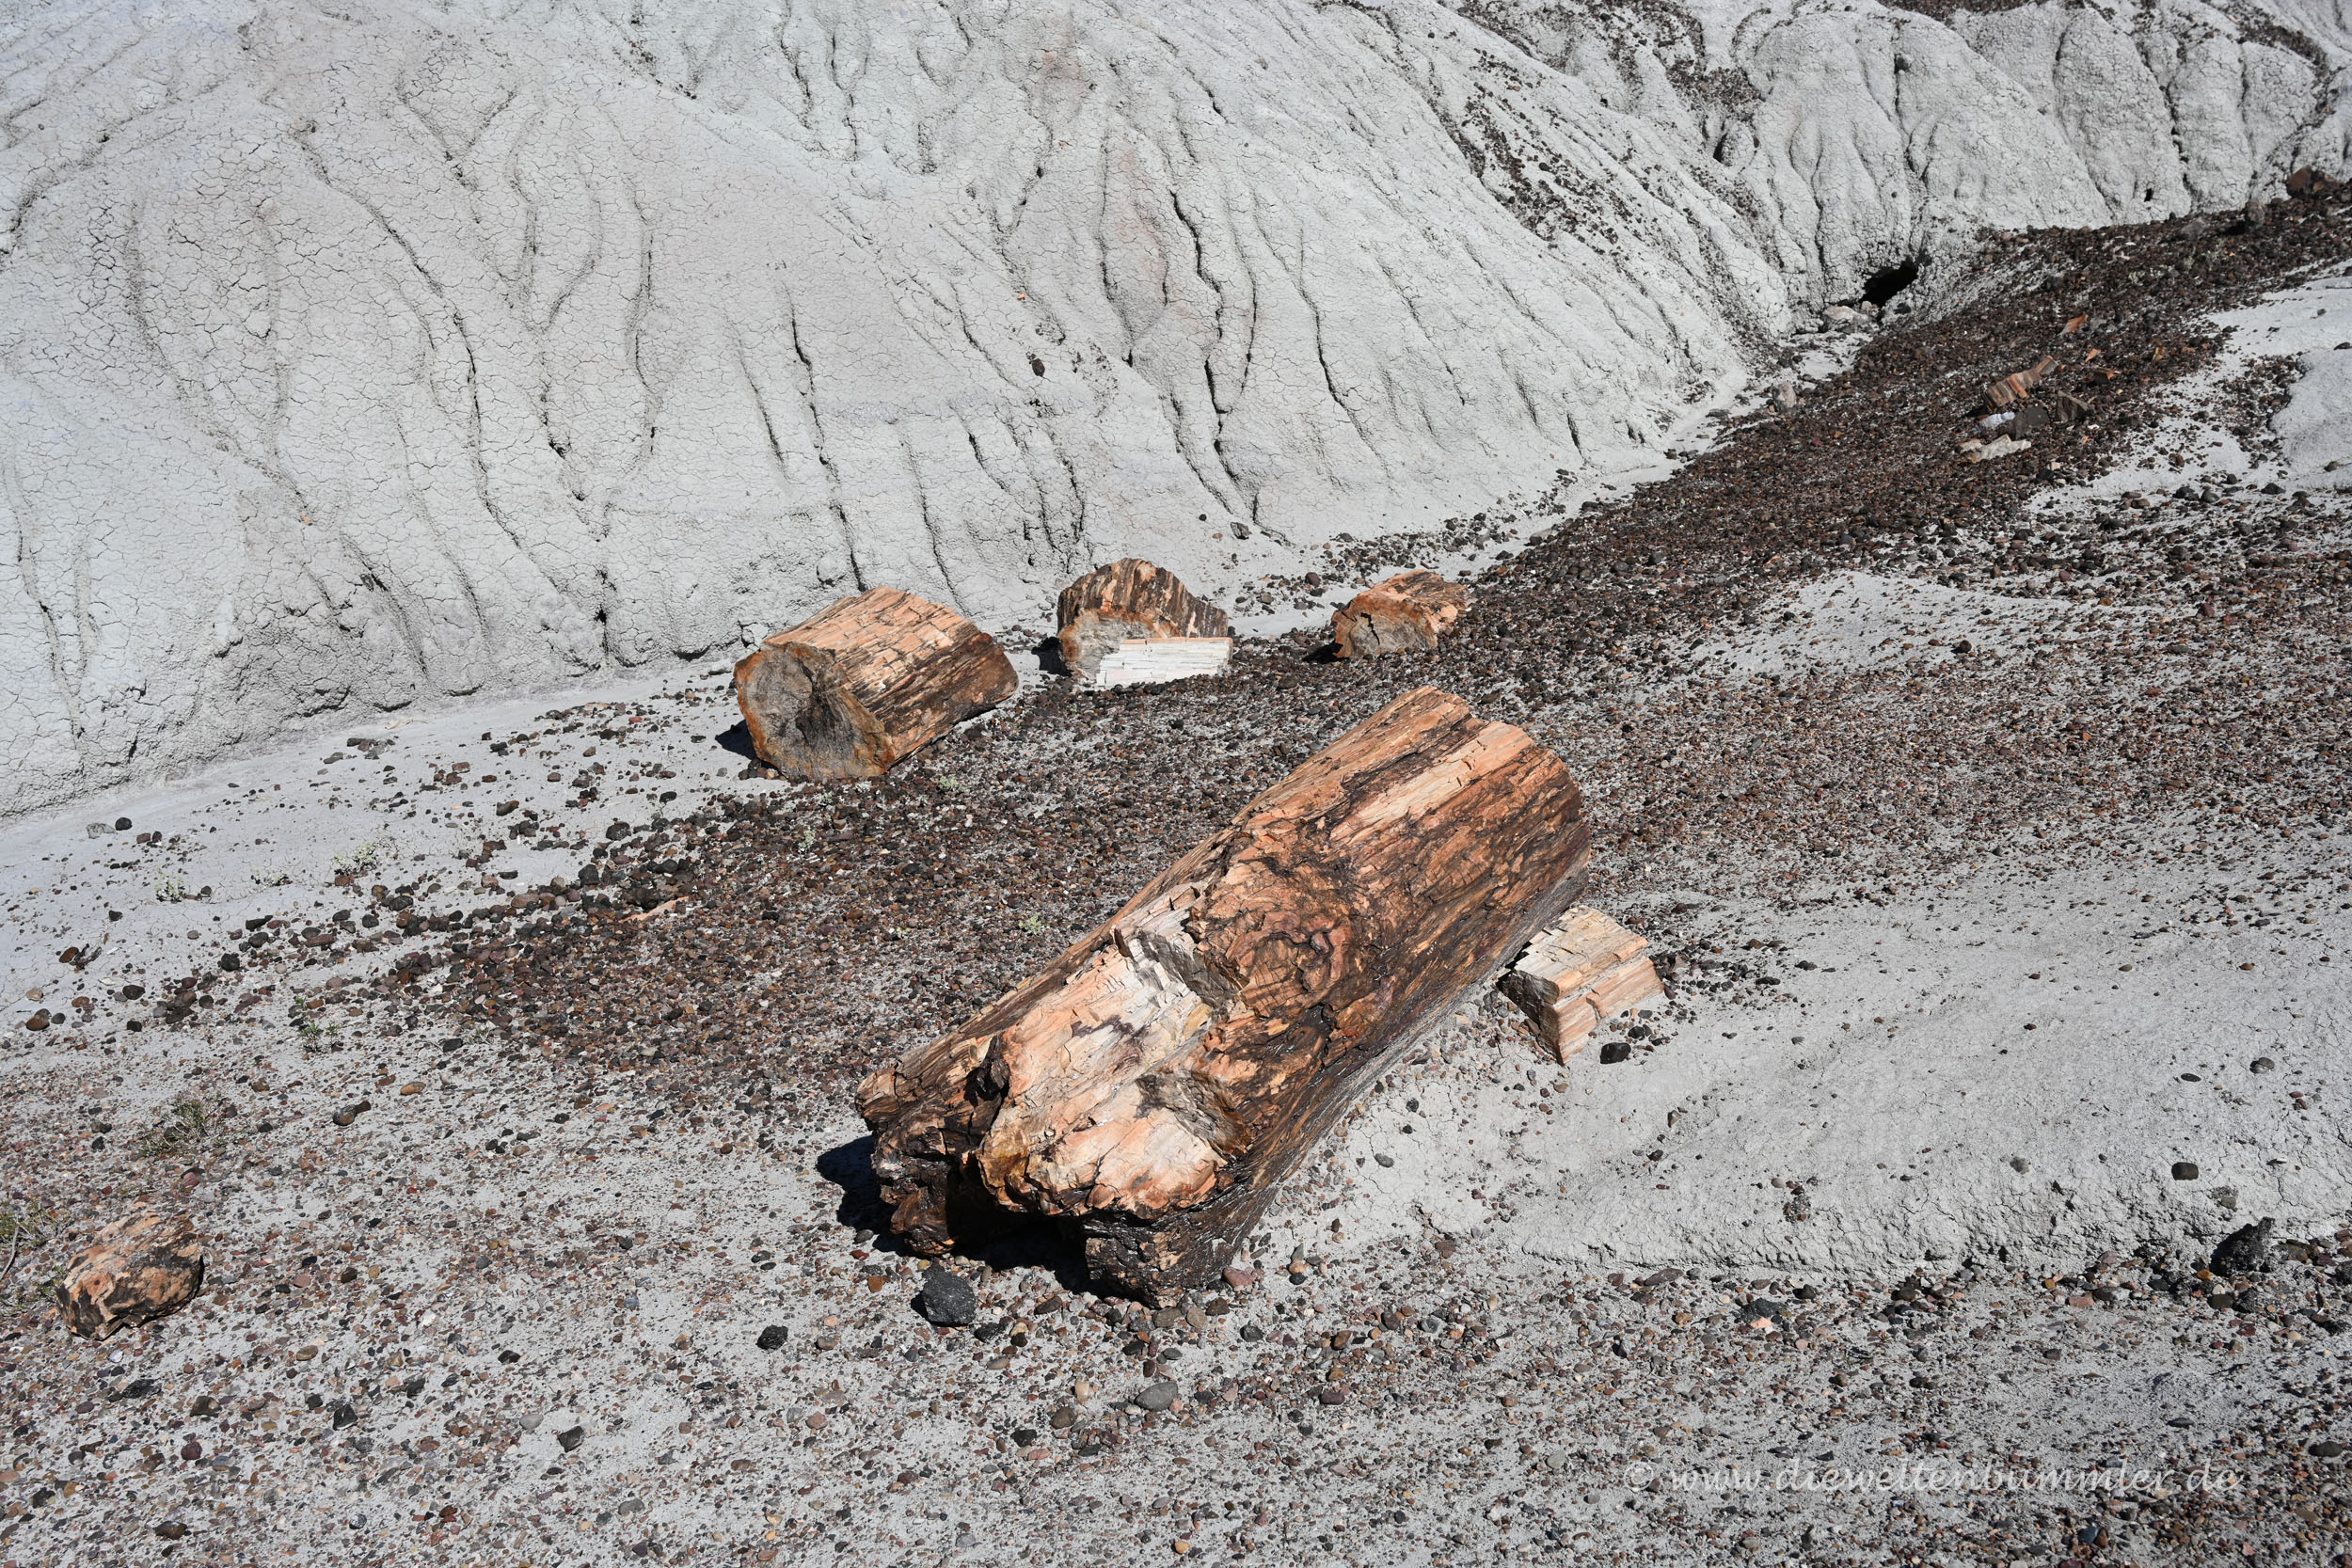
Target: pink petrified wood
column 133, row 1270
column 1578, row 974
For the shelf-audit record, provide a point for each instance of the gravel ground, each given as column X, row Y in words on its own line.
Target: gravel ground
column 1896, row 756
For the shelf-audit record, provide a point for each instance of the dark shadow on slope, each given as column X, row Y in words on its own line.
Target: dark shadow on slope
column 738, row 741
column 1888, row 282
column 1001, row 1242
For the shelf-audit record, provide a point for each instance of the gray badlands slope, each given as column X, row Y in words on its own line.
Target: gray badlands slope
column 352, row 361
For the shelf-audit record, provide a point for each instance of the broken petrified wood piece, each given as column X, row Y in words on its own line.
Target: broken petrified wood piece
column 1580, row 974
column 1406, row 614
column 1155, row 660
column 1151, row 1087
column 2057, row 409
column 846, row 694
column 2011, row 390
column 135, row 1271
column 1104, row 615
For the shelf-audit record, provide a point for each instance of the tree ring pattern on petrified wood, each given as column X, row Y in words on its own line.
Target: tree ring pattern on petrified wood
column 849, row 692
column 1151, row 1089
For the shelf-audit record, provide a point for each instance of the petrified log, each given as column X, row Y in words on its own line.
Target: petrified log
column 1406, row 614
column 134, row 1272
column 1581, row 972
column 846, row 694
column 1151, row 1089
column 1130, row 600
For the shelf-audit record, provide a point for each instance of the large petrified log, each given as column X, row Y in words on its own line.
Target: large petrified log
column 1134, row 601
column 872, row 678
column 1151, row 1087
column 1406, row 614
column 1580, row 974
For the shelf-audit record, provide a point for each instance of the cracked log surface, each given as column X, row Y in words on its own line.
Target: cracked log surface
column 1578, row 974
column 1407, row 614
column 1152, row 1087
column 1128, row 598
column 872, row 679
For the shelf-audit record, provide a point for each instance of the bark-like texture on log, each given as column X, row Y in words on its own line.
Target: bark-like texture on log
column 1151, row 1087
column 1128, row 598
column 1406, row 614
column 136, row 1271
column 848, row 694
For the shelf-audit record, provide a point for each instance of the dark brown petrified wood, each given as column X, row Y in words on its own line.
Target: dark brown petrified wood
column 1406, row 614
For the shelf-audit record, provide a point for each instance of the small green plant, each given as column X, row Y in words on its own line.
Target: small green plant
column 949, row 784
column 366, row 857
column 1034, row 924
column 182, row 1128
column 269, row 878
column 26, row 1231
column 26, row 1228
column 171, row 890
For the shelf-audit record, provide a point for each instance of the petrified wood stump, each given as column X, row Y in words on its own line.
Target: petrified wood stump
column 872, row 678
column 1132, row 600
column 1578, row 974
column 134, row 1272
column 1406, row 614
column 1152, row 1086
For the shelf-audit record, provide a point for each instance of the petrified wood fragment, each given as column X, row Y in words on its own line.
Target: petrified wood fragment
column 134, row 1272
column 846, row 694
column 1406, row 614
column 2014, row 389
column 1579, row 972
column 1151, row 1089
column 1134, row 600
column 1154, row 661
